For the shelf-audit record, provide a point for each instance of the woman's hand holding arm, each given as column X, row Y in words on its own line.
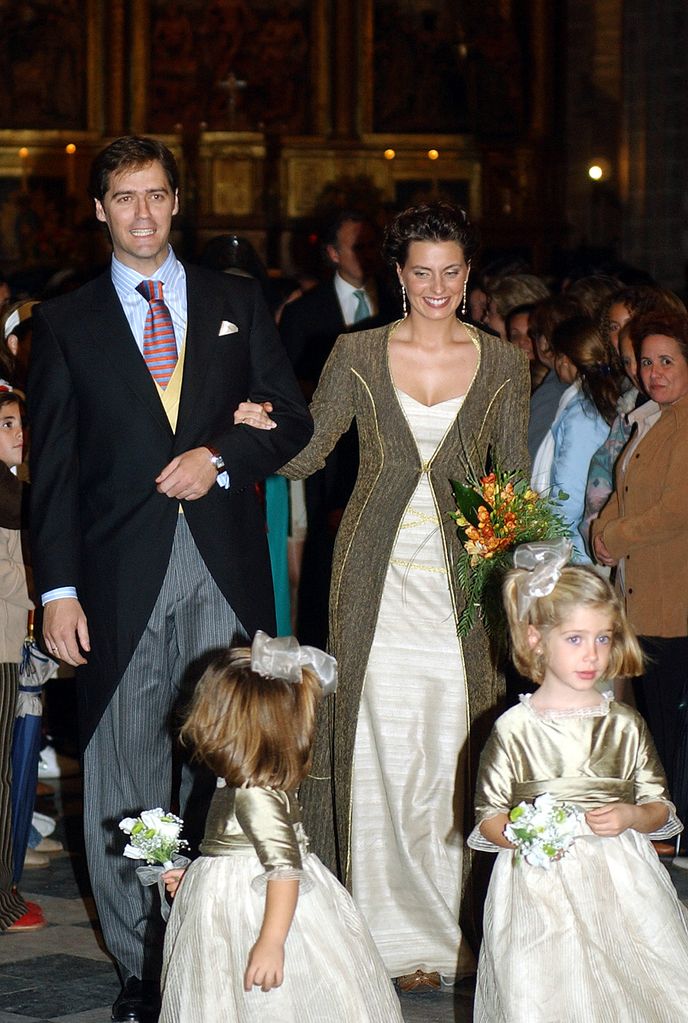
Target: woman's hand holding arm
column 251, row 413
column 266, row 959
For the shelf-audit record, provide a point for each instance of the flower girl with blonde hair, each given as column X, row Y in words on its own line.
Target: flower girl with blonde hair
column 600, row 934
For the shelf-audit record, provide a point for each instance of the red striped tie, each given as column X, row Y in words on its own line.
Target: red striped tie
column 159, row 344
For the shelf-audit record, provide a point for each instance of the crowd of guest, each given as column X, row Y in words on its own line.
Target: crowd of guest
column 419, row 365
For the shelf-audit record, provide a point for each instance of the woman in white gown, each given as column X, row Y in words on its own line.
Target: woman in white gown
column 388, row 802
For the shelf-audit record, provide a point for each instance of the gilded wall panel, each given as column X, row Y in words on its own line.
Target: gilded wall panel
column 229, row 65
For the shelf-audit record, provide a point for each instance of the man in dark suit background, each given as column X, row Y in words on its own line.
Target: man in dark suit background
column 148, row 537
column 357, row 297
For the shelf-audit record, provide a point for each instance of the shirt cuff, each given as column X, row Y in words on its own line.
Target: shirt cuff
column 223, row 480
column 60, row 593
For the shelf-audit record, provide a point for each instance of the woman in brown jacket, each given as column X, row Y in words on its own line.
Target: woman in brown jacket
column 390, row 794
column 644, row 527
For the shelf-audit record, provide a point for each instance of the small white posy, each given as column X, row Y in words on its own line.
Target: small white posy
column 543, row 830
column 154, row 836
column 227, row 327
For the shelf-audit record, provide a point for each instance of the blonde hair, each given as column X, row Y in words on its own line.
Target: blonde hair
column 251, row 728
column 578, row 586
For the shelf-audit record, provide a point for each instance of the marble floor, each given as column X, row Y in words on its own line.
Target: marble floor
column 62, row 974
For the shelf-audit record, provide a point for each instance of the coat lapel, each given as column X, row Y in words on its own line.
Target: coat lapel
column 118, row 346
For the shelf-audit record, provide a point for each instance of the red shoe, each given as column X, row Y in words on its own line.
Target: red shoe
column 32, row 920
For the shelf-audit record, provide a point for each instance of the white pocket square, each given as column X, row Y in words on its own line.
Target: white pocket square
column 227, row 328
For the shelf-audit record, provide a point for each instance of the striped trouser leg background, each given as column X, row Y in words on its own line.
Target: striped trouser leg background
column 12, row 906
column 128, row 762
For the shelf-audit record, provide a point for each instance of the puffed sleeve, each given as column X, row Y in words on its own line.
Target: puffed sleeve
column 263, row 815
column 493, row 791
column 650, row 783
column 332, row 410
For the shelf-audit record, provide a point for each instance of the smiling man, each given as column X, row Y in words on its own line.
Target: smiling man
column 148, row 537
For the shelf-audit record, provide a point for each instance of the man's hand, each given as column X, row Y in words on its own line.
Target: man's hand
column 188, row 476
column 65, row 630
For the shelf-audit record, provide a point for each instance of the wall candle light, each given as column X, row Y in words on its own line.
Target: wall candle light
column 24, row 164
column 70, row 151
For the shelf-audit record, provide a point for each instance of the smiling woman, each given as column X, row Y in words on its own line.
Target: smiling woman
column 643, row 530
column 431, row 396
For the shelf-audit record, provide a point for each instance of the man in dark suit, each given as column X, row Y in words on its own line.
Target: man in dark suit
column 148, row 538
column 355, row 298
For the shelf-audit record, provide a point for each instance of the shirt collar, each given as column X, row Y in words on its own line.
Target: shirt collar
column 344, row 289
column 125, row 278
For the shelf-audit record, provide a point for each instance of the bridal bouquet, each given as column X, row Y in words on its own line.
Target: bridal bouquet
column 495, row 514
column 153, row 837
column 543, row 830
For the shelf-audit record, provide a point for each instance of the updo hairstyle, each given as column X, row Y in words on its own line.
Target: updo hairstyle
column 429, row 222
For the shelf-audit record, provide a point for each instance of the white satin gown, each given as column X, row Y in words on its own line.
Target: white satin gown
column 407, row 849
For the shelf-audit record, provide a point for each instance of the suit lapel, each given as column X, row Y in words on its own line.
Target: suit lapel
column 116, row 341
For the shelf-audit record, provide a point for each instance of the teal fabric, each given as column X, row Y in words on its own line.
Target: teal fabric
column 277, row 512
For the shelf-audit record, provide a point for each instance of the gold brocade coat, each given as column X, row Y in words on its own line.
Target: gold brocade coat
column 356, row 383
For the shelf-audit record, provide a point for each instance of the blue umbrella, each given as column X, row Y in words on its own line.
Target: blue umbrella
column 35, row 669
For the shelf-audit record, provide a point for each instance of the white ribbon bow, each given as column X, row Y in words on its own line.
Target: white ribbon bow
column 543, row 560
column 284, row 658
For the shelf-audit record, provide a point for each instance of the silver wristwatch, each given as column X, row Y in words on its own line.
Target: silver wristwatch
column 217, row 460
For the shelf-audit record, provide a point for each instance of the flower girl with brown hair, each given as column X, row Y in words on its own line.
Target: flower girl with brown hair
column 260, row 930
column 597, row 932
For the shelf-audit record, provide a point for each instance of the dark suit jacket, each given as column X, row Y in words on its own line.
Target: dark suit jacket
column 100, row 437
column 310, row 326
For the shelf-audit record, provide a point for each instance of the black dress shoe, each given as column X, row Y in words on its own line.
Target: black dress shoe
column 138, row 1002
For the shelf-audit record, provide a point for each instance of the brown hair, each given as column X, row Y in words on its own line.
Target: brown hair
column 641, row 299
column 666, row 325
column 577, row 586
column 130, row 153
column 515, row 290
column 252, row 728
column 550, row 312
column 581, row 341
column 430, row 222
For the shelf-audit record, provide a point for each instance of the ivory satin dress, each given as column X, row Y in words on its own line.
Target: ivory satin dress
column 601, row 936
column 332, row 972
column 407, row 807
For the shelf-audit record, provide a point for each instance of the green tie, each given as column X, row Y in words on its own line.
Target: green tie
column 362, row 311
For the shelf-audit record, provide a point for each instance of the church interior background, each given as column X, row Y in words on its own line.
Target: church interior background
column 281, row 110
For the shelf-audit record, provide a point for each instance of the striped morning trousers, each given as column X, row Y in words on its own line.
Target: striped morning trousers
column 128, row 761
